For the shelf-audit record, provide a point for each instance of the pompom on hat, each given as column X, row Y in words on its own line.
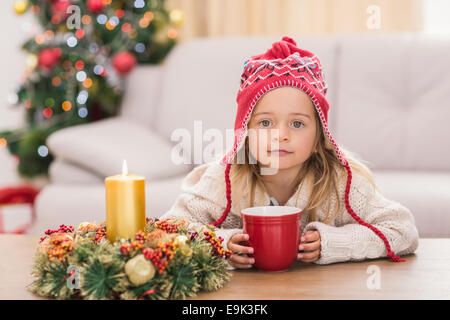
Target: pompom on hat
column 284, row 64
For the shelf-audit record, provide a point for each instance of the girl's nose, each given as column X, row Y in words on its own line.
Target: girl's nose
column 281, row 133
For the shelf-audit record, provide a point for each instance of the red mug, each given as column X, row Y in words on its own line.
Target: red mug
column 274, row 234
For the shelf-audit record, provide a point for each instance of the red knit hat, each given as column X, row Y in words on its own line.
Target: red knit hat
column 284, row 64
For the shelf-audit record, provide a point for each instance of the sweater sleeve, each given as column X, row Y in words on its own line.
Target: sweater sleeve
column 350, row 241
column 199, row 204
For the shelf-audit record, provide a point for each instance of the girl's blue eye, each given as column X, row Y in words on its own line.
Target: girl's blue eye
column 299, row 124
column 265, row 123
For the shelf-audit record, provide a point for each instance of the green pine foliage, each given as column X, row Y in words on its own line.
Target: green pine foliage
column 212, row 273
column 30, row 160
column 160, row 284
column 82, row 251
column 102, row 273
column 184, row 280
column 51, row 278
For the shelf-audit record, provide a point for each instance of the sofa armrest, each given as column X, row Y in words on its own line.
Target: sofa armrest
column 102, row 146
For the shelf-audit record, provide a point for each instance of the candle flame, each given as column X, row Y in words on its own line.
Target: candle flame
column 124, row 168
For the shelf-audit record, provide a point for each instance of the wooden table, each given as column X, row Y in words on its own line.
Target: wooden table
column 424, row 275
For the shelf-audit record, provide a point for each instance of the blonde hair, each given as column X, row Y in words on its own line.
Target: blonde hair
column 321, row 168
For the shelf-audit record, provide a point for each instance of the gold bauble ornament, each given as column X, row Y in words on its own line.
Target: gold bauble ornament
column 62, row 28
column 139, row 270
column 161, row 35
column 186, row 250
column 176, row 17
column 20, row 6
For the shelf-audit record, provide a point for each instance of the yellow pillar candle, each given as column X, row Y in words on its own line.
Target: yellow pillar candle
column 125, row 205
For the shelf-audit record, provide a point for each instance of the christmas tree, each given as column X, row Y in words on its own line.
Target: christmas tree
column 77, row 63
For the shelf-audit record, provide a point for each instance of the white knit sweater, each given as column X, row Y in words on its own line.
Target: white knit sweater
column 203, row 200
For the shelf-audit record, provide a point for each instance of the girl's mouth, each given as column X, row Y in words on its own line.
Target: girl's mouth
column 280, row 152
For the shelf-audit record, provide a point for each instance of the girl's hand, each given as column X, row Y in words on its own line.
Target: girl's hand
column 237, row 261
column 310, row 244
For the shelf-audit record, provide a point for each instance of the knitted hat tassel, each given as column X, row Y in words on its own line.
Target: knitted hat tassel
column 390, row 253
column 227, row 209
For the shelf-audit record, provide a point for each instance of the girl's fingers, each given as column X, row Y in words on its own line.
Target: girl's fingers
column 242, row 259
column 309, row 256
column 308, row 261
column 240, row 249
column 311, row 236
column 311, row 246
column 239, row 237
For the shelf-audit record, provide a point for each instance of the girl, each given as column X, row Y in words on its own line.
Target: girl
column 284, row 154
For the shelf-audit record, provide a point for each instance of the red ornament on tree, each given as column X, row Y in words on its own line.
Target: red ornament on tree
column 59, row 8
column 94, row 6
column 124, row 62
column 48, row 57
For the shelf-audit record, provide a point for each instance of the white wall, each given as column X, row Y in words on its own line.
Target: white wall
column 12, row 66
column 12, row 60
column 436, row 13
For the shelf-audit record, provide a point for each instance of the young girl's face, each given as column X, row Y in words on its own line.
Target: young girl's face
column 290, row 112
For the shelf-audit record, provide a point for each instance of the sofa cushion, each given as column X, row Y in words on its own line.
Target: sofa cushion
column 425, row 193
column 103, row 145
column 393, row 104
column 428, row 83
column 142, row 93
column 64, row 172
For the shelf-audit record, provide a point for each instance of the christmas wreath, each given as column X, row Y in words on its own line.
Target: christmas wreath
column 168, row 260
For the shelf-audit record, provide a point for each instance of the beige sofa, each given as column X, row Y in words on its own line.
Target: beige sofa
column 390, row 103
